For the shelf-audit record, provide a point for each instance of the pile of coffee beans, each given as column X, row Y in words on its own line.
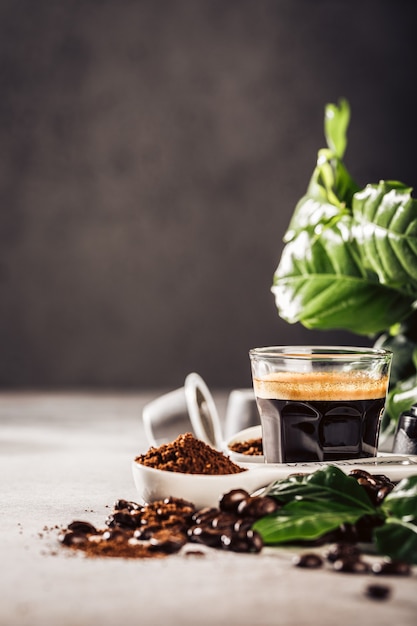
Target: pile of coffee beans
column 230, row 526
column 164, row 527
column 133, row 530
column 377, row 486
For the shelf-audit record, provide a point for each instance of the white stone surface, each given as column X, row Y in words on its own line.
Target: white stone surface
column 67, row 456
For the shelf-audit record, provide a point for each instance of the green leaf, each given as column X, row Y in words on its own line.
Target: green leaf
column 314, row 504
column 400, row 398
column 304, row 521
column 402, row 501
column 329, row 483
column 397, row 539
column 404, row 352
column 336, row 122
column 320, row 282
column 385, row 218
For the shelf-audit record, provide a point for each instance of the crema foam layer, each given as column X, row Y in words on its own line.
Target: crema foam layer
column 321, row 386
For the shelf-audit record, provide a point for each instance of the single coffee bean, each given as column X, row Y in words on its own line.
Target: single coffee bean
column 396, row 568
column 204, row 515
column 167, row 542
column 126, row 504
column 82, row 527
column 378, row 592
column 254, row 540
column 230, row 501
column 234, row 543
column 146, row 532
column 257, row 507
column 382, row 493
column 358, row 473
column 122, row 519
column 223, row 520
column 71, row 538
column 243, row 524
column 204, row 535
column 308, row 560
column 114, row 534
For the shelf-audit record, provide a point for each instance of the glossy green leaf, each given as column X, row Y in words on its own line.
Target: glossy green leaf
column 385, row 218
column 313, row 504
column 320, row 282
column 336, row 122
column 397, row 539
column 305, row 520
column 402, row 501
column 329, row 484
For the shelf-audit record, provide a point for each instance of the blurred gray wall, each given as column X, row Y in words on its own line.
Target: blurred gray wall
column 151, row 154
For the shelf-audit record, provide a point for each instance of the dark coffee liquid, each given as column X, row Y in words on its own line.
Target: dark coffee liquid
column 319, row 430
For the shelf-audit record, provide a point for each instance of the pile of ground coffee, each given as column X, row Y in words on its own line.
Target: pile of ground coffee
column 251, row 447
column 188, row 455
column 133, row 531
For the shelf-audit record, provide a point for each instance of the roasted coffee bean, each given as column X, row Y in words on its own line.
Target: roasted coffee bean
column 84, row 528
column 223, row 520
column 383, row 492
column 249, row 541
column 243, row 524
column 122, row 519
column 359, row 473
column 342, row 551
column 146, row 532
column 71, row 538
column 383, row 479
column 255, row 540
column 204, row 535
column 378, row 592
column 167, row 542
column 126, row 504
column 230, row 501
column 204, row 515
column 114, row 534
column 308, row 560
column 396, row 568
column 257, row 506
column 354, row 566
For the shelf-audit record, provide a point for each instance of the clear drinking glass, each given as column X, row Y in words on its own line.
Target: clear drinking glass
column 319, row 403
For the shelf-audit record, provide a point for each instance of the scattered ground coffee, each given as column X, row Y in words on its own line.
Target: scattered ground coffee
column 252, row 447
column 189, row 455
column 133, row 531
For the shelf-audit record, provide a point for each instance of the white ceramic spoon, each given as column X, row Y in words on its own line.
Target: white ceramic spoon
column 205, row 490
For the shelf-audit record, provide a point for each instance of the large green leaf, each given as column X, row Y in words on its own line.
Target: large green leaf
column 329, row 484
column 321, row 282
column 397, row 539
column 402, row 501
column 386, row 229
column 313, row 505
column 305, row 521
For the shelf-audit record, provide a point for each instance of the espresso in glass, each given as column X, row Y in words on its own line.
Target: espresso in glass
column 318, row 404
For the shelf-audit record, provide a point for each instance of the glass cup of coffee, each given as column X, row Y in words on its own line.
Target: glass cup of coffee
column 319, row 403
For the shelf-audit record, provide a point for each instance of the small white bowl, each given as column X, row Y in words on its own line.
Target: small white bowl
column 254, row 432
column 200, row 489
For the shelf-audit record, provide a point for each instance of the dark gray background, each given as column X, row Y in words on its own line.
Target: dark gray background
column 152, row 153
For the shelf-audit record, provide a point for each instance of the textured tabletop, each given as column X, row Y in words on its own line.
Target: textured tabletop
column 66, row 456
